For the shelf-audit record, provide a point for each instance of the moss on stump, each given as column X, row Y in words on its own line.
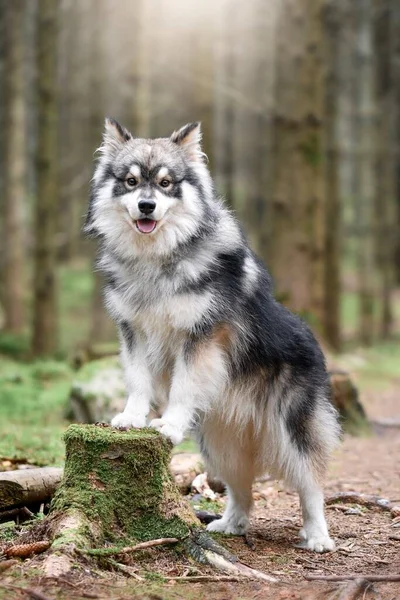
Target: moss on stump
column 120, row 481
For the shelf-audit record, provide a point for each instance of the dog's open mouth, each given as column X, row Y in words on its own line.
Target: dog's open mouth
column 146, row 225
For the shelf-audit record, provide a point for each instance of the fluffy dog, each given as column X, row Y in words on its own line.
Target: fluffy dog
column 203, row 340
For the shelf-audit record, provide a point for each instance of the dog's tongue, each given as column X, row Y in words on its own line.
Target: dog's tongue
column 146, row 225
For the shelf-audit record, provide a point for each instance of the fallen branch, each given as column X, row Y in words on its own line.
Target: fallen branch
column 128, row 549
column 370, row 578
column 201, row 578
column 19, row 488
column 124, row 569
column 394, row 537
column 364, row 500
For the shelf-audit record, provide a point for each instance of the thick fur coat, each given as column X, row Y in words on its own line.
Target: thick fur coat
column 203, row 341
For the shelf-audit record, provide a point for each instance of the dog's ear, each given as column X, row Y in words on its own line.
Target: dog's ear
column 188, row 138
column 114, row 137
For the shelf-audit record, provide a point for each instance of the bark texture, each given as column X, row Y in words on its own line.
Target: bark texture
column 45, row 323
column 15, row 159
column 18, row 488
column 298, row 204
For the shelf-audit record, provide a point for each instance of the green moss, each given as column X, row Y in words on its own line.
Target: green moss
column 7, row 532
column 121, row 480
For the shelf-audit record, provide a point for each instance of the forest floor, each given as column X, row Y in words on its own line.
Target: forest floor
column 364, row 536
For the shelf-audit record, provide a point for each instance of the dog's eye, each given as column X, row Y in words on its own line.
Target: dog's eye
column 131, row 181
column 165, row 183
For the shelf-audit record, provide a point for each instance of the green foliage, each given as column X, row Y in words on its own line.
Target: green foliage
column 7, row 532
column 32, row 401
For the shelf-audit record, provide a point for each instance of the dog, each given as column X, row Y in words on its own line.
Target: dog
column 203, row 340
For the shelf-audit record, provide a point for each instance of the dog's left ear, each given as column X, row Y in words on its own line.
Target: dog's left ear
column 188, row 138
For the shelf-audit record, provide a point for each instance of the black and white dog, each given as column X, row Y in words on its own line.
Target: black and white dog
column 203, row 340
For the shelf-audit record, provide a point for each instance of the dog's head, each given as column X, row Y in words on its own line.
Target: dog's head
column 148, row 195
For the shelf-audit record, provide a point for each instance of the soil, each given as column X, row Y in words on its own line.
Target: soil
column 368, row 465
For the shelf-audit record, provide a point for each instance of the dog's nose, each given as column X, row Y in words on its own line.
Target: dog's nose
column 146, row 206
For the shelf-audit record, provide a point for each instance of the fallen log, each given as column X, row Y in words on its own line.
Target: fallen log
column 19, row 488
column 117, row 487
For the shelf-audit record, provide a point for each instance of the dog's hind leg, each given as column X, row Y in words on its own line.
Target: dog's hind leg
column 314, row 532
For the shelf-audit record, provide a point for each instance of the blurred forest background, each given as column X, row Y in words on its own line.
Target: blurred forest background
column 300, row 106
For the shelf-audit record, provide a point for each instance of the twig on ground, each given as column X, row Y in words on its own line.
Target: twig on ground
column 128, row 549
column 394, row 537
column 364, row 500
column 201, row 578
column 124, row 569
column 370, row 578
column 352, row 591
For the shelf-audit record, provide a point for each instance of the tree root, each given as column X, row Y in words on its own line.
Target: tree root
column 369, row 578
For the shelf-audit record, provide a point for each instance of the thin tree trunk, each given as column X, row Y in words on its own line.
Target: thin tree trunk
column 332, row 330
column 15, row 162
column 366, row 167
column 298, row 204
column 45, row 283
column 386, row 165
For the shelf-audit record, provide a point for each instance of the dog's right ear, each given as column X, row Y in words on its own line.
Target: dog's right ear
column 114, row 137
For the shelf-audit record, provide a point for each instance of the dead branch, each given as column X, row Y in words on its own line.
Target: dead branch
column 364, row 500
column 129, row 549
column 201, row 578
column 369, row 578
column 394, row 537
column 124, row 569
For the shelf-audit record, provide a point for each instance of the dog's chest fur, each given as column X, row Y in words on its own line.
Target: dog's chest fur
column 152, row 299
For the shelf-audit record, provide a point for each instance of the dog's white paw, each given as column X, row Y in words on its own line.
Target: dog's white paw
column 316, row 542
column 168, row 430
column 129, row 420
column 229, row 526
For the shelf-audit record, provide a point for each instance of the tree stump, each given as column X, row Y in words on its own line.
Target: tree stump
column 346, row 400
column 117, row 489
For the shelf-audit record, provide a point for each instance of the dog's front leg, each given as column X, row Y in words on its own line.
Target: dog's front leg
column 138, row 381
column 195, row 383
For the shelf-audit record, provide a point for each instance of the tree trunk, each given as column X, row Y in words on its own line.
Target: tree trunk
column 298, row 203
column 45, row 282
column 332, row 327
column 15, row 165
column 365, row 176
column 387, row 163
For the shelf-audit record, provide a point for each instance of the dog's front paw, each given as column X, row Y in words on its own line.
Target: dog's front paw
column 168, row 430
column 129, row 420
column 238, row 526
column 316, row 542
